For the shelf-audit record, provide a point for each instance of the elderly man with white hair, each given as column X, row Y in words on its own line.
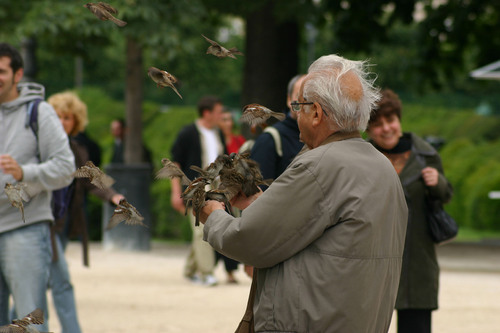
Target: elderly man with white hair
column 327, row 236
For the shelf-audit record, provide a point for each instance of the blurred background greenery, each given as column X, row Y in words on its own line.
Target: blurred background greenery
column 424, row 50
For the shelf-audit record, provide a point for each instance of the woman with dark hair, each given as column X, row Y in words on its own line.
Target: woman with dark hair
column 419, row 168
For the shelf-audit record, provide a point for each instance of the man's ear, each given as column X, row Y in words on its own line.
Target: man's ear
column 317, row 115
column 18, row 75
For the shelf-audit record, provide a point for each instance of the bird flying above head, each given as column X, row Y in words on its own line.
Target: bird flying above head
column 256, row 114
column 105, row 12
column 220, row 51
column 96, row 176
column 17, row 194
column 125, row 212
column 163, row 78
column 171, row 170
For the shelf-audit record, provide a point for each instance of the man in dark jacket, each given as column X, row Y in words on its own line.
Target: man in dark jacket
column 198, row 144
column 278, row 145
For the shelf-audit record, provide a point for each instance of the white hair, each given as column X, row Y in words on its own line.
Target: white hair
column 348, row 107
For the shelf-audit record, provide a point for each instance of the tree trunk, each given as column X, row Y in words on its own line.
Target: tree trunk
column 271, row 58
column 133, row 100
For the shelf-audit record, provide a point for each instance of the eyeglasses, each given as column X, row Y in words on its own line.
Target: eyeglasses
column 296, row 106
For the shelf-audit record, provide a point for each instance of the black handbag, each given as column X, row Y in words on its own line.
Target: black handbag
column 442, row 226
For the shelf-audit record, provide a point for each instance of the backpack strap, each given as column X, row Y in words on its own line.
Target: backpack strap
column 277, row 139
column 32, row 121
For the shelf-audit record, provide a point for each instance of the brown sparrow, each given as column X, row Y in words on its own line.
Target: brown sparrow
column 17, row 194
column 125, row 212
column 23, row 325
column 256, row 114
column 104, row 12
column 163, row 78
column 220, row 51
column 96, row 176
column 171, row 170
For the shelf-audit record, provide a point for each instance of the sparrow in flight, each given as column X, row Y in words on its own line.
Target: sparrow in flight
column 220, row 51
column 17, row 194
column 256, row 114
column 23, row 325
column 163, row 78
column 125, row 212
column 195, row 194
column 104, row 12
column 96, row 176
column 171, row 170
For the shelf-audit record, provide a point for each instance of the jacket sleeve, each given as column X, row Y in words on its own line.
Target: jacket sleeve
column 285, row 219
column 443, row 190
column 57, row 161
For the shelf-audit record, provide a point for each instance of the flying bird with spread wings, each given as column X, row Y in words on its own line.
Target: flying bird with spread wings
column 104, row 12
column 256, row 114
column 163, row 79
column 171, row 170
column 96, row 176
column 24, row 325
column 125, row 212
column 220, row 51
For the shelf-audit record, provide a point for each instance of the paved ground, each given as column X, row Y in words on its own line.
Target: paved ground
column 126, row 292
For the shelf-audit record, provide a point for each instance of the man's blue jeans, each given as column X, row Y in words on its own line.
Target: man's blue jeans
column 62, row 291
column 25, row 255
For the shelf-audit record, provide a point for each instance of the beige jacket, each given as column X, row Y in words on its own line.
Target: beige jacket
column 328, row 235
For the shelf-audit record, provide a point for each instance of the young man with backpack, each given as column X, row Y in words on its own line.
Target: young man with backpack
column 44, row 164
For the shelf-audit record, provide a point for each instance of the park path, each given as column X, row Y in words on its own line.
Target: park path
column 129, row 292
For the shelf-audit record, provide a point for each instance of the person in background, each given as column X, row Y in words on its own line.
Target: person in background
column 198, row 144
column 326, row 238
column 419, row 167
column 233, row 144
column 275, row 154
column 44, row 162
column 72, row 113
column 117, row 129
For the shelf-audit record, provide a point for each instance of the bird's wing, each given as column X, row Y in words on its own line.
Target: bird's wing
column 211, row 41
column 116, row 21
column 116, row 218
column 234, row 50
column 107, row 7
column 35, row 317
column 250, row 118
column 12, row 329
column 107, row 181
column 174, row 89
column 278, row 115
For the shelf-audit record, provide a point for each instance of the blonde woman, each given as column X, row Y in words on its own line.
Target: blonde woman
column 72, row 113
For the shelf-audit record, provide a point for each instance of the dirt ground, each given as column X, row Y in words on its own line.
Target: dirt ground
column 126, row 292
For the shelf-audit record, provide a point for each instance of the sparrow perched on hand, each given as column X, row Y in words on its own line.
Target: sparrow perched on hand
column 163, row 78
column 256, row 114
column 23, row 325
column 125, row 212
column 96, row 176
column 171, row 170
column 220, row 51
column 219, row 195
column 104, row 12
column 195, row 194
column 17, row 194
column 212, row 171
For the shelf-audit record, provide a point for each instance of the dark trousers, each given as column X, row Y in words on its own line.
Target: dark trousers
column 414, row 321
column 229, row 264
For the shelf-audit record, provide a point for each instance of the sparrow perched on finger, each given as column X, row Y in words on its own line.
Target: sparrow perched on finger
column 104, row 12
column 17, row 194
column 96, row 176
column 24, row 325
column 125, row 212
column 220, row 51
column 256, row 114
column 171, row 170
column 163, row 79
